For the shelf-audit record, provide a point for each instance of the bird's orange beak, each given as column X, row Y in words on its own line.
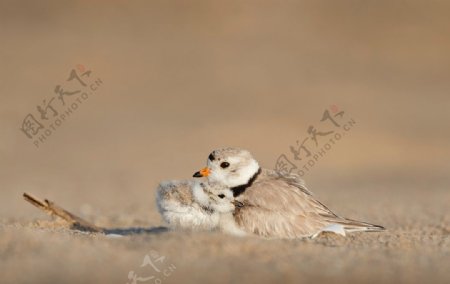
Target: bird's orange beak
column 202, row 173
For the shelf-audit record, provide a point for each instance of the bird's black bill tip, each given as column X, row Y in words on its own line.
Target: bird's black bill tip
column 197, row 175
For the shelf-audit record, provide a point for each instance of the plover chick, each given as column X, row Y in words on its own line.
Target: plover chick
column 220, row 200
column 271, row 204
column 179, row 209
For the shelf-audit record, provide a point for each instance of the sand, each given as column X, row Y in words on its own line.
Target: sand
column 414, row 249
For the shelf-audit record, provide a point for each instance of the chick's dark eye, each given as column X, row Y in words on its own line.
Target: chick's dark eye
column 224, row 165
column 221, row 195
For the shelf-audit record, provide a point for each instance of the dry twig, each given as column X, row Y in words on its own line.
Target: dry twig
column 52, row 209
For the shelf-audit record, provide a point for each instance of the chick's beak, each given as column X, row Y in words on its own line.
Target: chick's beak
column 202, row 173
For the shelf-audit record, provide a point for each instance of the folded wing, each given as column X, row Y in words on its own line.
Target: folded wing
column 281, row 206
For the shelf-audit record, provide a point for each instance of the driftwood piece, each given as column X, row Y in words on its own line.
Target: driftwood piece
column 52, row 209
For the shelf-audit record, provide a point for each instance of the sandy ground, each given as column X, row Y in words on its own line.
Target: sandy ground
column 415, row 249
column 179, row 80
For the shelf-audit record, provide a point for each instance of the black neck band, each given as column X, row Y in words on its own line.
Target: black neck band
column 238, row 190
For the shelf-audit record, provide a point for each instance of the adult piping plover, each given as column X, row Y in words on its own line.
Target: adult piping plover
column 179, row 208
column 273, row 205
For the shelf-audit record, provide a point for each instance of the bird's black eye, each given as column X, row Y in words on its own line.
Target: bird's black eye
column 224, row 165
column 211, row 157
column 221, row 195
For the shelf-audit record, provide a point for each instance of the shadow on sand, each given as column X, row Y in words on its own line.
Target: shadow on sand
column 135, row 231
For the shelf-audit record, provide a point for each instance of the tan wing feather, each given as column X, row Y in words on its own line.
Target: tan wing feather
column 274, row 208
column 278, row 206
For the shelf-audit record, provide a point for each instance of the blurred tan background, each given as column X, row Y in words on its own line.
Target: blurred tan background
column 181, row 78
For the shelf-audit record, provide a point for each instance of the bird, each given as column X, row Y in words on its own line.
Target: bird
column 180, row 210
column 220, row 200
column 271, row 204
column 197, row 206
